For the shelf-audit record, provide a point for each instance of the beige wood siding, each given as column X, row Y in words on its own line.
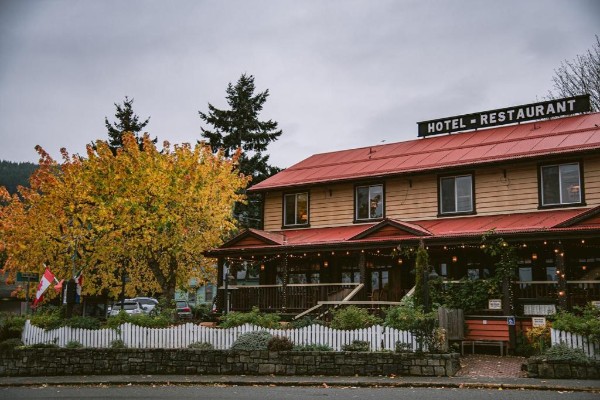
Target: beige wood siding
column 498, row 190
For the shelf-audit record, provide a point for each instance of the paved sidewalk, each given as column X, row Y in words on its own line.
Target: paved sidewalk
column 338, row 381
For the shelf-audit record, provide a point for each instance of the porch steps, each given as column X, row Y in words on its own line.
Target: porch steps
column 320, row 304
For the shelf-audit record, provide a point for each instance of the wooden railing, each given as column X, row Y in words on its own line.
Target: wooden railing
column 299, row 296
column 577, row 292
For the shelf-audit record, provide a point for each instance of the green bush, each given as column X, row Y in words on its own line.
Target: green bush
column 352, row 317
column 83, row 322
column 407, row 317
column 11, row 326
column 43, row 346
column 201, row 312
column 10, row 344
column 304, row 322
column 254, row 317
column 201, row 346
column 117, row 344
column 50, row 318
column 583, row 321
column 160, row 320
column 258, row 340
column 73, row 344
column 402, row 347
column 313, row 347
column 280, row 343
column 357, row 345
column 562, row 352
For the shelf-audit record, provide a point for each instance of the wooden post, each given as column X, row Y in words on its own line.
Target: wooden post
column 220, row 292
column 562, row 280
column 284, row 294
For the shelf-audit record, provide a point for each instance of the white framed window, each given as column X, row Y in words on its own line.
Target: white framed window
column 295, row 209
column 456, row 194
column 369, row 202
column 560, row 184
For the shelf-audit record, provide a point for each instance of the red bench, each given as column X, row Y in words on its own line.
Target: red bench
column 486, row 332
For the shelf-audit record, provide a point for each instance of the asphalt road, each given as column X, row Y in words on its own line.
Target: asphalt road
column 274, row 393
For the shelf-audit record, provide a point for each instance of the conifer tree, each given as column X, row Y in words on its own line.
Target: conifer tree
column 126, row 121
column 239, row 127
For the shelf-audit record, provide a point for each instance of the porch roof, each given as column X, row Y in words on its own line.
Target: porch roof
column 394, row 231
column 570, row 135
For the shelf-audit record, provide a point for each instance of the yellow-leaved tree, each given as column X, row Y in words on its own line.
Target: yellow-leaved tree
column 148, row 213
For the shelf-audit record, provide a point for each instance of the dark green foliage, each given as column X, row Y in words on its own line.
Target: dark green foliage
column 257, row 340
column 582, row 321
column 280, row 343
column 408, row 317
column 304, row 322
column 254, row 317
column 11, row 326
column 117, row 344
column 421, row 268
column 562, row 352
column 313, row 347
column 402, row 347
column 73, row 344
column 357, row 345
column 48, row 318
column 9, row 344
column 148, row 321
column 14, row 174
column 127, row 121
column 352, row 317
column 83, row 322
column 468, row 294
column 44, row 346
column 239, row 127
column 201, row 312
column 201, row 346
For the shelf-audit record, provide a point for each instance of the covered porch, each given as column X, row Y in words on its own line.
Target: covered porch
column 295, row 271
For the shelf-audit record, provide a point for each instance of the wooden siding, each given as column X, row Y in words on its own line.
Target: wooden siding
column 498, row 190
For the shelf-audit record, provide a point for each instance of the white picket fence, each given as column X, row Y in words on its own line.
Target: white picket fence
column 589, row 347
column 379, row 337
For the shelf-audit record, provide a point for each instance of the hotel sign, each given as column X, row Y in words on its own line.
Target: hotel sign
column 503, row 116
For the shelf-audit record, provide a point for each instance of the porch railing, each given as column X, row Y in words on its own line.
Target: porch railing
column 299, row 297
column 577, row 292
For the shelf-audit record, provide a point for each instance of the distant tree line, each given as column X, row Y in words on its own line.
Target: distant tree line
column 13, row 174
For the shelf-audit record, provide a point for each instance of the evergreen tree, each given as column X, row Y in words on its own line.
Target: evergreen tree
column 126, row 121
column 14, row 174
column 239, row 127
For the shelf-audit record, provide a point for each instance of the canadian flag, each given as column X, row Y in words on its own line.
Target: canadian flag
column 45, row 283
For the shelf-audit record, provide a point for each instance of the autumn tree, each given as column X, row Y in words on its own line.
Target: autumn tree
column 126, row 121
column 579, row 76
column 152, row 211
column 239, row 127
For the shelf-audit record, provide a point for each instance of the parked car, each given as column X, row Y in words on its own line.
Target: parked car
column 183, row 309
column 148, row 303
column 131, row 307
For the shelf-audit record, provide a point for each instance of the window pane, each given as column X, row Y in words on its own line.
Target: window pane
column 290, row 209
column 569, row 177
column 551, row 274
column 464, row 188
column 550, row 185
column 376, row 201
column 302, row 205
column 362, row 202
column 447, row 195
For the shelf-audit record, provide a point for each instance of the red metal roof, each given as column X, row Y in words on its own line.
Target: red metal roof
column 563, row 135
column 442, row 228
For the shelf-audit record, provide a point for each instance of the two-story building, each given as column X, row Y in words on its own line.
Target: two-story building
column 333, row 220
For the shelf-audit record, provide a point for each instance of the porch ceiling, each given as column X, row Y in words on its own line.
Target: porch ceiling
column 392, row 232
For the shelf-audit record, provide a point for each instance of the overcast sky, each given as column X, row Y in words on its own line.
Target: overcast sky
column 341, row 74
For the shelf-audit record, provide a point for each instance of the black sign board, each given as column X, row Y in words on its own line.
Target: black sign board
column 27, row 276
column 503, row 116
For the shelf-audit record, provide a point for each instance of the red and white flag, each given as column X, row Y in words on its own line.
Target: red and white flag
column 45, row 282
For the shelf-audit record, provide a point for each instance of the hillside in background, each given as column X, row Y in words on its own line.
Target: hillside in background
column 13, row 174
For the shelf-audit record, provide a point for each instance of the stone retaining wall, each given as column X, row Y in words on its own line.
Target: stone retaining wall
column 546, row 369
column 47, row 362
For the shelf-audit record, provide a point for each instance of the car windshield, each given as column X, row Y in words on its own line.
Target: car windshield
column 127, row 306
column 181, row 304
column 147, row 301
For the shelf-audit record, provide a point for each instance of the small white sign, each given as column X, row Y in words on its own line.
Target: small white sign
column 538, row 321
column 596, row 303
column 495, row 304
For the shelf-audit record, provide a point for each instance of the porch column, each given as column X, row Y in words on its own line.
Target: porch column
column 362, row 267
column 284, row 295
column 220, row 292
column 562, row 280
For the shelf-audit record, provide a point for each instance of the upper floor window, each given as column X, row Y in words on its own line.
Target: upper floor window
column 369, row 202
column 295, row 209
column 456, row 194
column 560, row 184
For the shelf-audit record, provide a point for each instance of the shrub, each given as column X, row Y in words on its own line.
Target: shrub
column 254, row 317
column 10, row 344
column 201, row 346
column 304, row 322
column 280, row 343
column 585, row 322
column 352, row 317
column 201, row 312
column 48, row 318
column 313, row 347
column 408, row 317
column 258, row 340
column 44, row 346
column 562, row 352
column 11, row 326
column 117, row 344
column 73, row 344
column 539, row 338
column 357, row 345
column 160, row 320
column 83, row 322
column 402, row 347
